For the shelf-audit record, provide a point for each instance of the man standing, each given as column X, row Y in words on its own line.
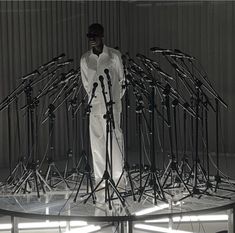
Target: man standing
column 95, row 63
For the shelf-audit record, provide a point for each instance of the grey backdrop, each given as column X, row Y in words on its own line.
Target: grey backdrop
column 33, row 32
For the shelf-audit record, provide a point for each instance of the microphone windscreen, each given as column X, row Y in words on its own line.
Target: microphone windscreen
column 101, row 78
column 95, row 84
column 106, row 71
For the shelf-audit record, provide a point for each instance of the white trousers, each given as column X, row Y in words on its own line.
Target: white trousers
column 98, row 146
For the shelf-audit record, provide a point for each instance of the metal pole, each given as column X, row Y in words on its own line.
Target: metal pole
column 129, row 227
column 231, row 220
column 14, row 224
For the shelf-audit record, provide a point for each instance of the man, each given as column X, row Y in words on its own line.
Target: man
column 93, row 65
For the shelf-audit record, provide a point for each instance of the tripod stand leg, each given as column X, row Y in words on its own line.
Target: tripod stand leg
column 48, row 174
column 80, row 184
column 132, row 186
column 43, row 181
column 142, row 190
column 92, row 193
column 182, row 181
column 107, row 194
column 154, row 188
column 117, row 193
column 167, row 176
column 36, row 182
column 89, row 179
column 42, row 185
column 167, row 168
column 159, row 187
column 61, row 177
column 21, row 182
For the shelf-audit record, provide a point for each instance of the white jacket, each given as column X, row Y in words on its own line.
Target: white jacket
column 92, row 66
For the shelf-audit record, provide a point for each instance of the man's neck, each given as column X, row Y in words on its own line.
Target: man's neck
column 98, row 50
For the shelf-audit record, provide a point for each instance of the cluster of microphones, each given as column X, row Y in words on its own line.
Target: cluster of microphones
column 140, row 75
column 101, row 79
column 45, row 67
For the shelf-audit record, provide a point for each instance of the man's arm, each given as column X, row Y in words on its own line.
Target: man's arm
column 84, row 69
column 120, row 71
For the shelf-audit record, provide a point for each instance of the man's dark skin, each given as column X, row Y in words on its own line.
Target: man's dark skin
column 96, row 43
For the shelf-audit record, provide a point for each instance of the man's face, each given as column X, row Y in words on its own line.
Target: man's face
column 95, row 41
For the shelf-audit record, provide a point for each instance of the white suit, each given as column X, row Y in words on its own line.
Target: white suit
column 92, row 66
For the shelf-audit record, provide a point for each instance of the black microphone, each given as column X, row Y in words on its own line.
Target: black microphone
column 35, row 72
column 46, row 65
column 160, row 50
column 178, row 69
column 95, row 85
column 52, row 62
column 101, row 78
column 68, row 76
column 183, row 55
column 58, row 57
column 143, row 57
column 106, row 71
column 65, row 62
column 160, row 71
column 135, row 64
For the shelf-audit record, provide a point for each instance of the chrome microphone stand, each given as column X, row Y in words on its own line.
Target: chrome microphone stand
column 87, row 169
column 107, row 176
column 126, row 167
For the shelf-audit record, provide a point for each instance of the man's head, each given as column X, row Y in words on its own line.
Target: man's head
column 95, row 35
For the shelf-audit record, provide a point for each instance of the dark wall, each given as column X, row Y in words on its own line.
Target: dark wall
column 34, row 32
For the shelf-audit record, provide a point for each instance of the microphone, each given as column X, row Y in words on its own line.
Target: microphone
column 35, row 72
column 58, row 57
column 160, row 50
column 178, row 70
column 101, row 78
column 106, row 71
column 183, row 55
column 68, row 76
column 52, row 62
column 160, row 71
column 143, row 57
column 48, row 64
column 136, row 65
column 95, row 85
column 65, row 62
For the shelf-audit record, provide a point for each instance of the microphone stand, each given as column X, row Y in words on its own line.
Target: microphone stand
column 171, row 170
column 139, row 113
column 152, row 176
column 184, row 160
column 69, row 153
column 197, row 167
column 109, row 183
column 126, row 167
column 87, row 169
column 31, row 177
column 52, row 169
column 208, row 87
column 112, row 126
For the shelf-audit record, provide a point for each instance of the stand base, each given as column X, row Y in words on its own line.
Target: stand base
column 109, row 183
column 31, row 180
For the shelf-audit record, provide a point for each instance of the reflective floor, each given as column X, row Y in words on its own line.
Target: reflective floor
column 61, row 201
column 141, row 205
